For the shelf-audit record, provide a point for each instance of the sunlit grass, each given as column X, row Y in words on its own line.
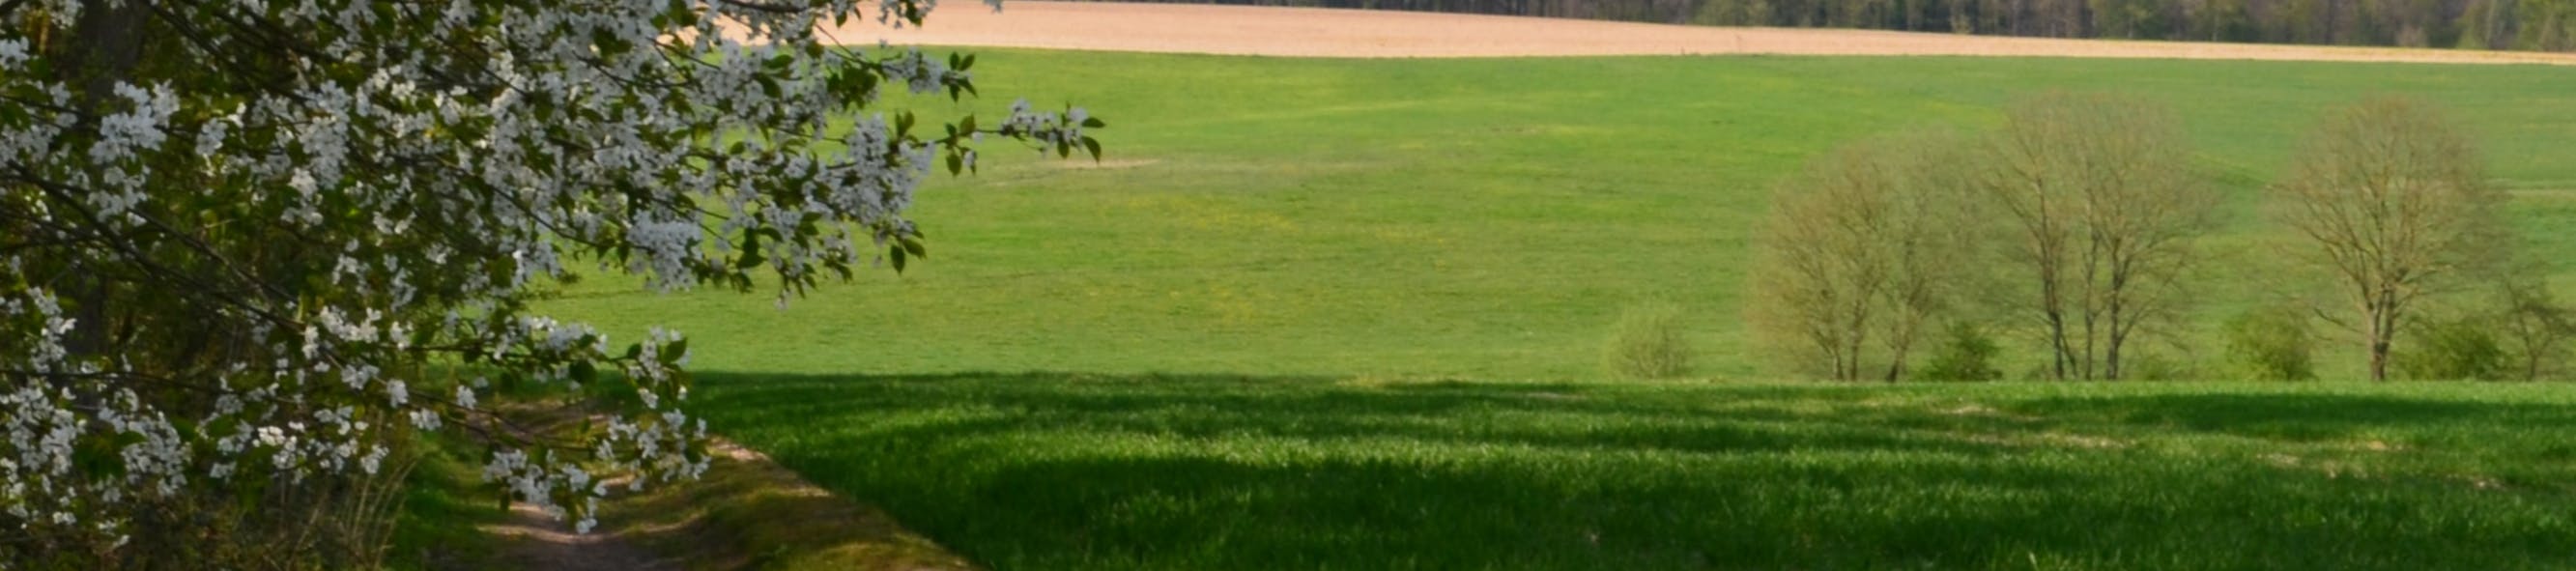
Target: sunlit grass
column 1486, row 218
column 1054, row 471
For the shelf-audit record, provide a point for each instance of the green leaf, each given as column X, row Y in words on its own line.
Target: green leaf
column 671, row 353
column 751, row 257
column 895, row 256
column 609, row 44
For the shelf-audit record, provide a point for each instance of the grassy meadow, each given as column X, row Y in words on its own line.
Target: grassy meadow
column 1481, row 218
column 1348, row 314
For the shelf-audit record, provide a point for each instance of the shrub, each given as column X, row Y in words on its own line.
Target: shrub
column 1647, row 343
column 1967, row 353
column 2454, row 349
column 2272, row 344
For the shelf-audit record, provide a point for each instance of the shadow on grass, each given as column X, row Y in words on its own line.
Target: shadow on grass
column 439, row 527
column 1075, row 471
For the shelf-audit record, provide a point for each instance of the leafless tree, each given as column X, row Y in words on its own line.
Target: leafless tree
column 1860, row 254
column 2393, row 202
column 2104, row 209
column 2535, row 326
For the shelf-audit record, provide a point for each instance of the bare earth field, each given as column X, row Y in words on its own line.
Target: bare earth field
column 1316, row 32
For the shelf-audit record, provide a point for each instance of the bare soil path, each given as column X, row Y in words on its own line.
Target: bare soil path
column 537, row 541
column 747, row 513
column 1317, row 32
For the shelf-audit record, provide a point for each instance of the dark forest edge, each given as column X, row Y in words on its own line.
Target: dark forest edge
column 2529, row 25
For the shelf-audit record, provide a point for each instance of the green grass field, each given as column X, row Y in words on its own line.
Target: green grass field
column 1046, row 471
column 1239, row 330
column 1479, row 218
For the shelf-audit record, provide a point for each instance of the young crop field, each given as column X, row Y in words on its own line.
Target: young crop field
column 1347, row 314
column 1491, row 218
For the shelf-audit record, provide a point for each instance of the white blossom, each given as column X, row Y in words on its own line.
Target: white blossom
column 372, row 206
column 13, row 52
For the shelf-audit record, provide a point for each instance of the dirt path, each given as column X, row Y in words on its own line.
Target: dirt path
column 537, row 541
column 748, row 512
column 1274, row 31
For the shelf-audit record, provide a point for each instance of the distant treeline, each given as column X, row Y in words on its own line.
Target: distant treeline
column 2546, row 25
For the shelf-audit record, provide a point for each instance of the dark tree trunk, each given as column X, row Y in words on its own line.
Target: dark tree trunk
column 102, row 51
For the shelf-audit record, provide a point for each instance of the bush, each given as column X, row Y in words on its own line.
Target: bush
column 1967, row 353
column 2274, row 344
column 2454, row 349
column 1647, row 343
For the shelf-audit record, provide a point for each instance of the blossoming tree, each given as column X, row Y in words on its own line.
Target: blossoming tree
column 249, row 245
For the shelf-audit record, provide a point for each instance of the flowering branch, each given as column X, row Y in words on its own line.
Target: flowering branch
column 236, row 257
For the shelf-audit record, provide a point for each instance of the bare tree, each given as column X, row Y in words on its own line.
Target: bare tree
column 2394, row 203
column 1813, row 282
column 1859, row 256
column 2104, row 209
column 1931, row 240
column 2525, row 316
column 2535, row 326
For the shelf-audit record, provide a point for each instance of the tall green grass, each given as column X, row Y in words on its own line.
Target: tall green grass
column 1071, row 472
